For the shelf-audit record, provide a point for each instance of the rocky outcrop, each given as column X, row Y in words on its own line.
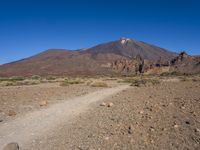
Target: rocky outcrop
column 136, row 65
column 185, row 63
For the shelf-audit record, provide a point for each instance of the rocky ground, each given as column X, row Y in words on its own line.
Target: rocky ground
column 161, row 116
column 19, row 100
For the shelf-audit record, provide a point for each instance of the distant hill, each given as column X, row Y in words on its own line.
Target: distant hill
column 91, row 61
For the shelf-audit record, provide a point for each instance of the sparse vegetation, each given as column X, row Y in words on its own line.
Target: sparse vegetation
column 12, row 79
column 35, row 77
column 140, row 81
column 51, row 78
column 67, row 82
column 99, row 84
column 195, row 78
column 174, row 73
column 19, row 83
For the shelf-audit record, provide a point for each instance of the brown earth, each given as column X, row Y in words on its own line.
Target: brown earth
column 161, row 116
column 24, row 99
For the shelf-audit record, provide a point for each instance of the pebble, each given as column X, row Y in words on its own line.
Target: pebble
column 107, row 138
column 176, row 126
column 164, row 129
column 187, row 122
column 110, row 104
column 43, row 103
column 182, row 107
column 130, row 129
column 11, row 146
column 141, row 112
column 103, row 104
column 197, row 130
column 152, row 129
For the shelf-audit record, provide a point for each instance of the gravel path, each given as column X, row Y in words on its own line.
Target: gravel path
column 26, row 129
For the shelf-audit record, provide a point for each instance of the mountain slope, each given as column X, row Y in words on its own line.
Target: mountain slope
column 131, row 48
column 95, row 60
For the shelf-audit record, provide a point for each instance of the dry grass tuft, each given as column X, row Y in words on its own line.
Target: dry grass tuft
column 99, row 84
column 140, row 81
column 71, row 81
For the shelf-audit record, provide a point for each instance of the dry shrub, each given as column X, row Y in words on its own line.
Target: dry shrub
column 20, row 83
column 99, row 84
column 140, row 81
column 12, row 79
column 71, row 81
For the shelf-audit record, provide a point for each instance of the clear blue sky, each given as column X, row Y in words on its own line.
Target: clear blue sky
column 28, row 27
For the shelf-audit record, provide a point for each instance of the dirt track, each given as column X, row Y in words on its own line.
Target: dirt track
column 25, row 130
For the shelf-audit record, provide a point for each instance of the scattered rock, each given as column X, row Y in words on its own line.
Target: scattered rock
column 103, row 104
column 130, row 129
column 197, row 130
column 11, row 146
column 110, row 104
column 141, row 112
column 182, row 107
column 12, row 113
column 43, row 103
column 1, row 120
column 187, row 122
column 176, row 126
column 106, row 138
column 152, row 129
column 164, row 129
column 151, row 141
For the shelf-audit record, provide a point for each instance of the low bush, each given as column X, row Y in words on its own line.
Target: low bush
column 139, row 81
column 35, row 77
column 99, row 84
column 50, row 78
column 19, row 83
column 71, row 81
column 12, row 79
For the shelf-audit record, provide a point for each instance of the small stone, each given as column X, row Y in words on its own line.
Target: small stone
column 43, row 103
column 187, row 122
column 12, row 113
column 182, row 107
column 110, row 104
column 151, row 141
column 176, row 126
column 152, row 129
column 107, row 138
column 103, row 104
column 197, row 130
column 11, row 146
column 1, row 120
column 141, row 112
column 130, row 129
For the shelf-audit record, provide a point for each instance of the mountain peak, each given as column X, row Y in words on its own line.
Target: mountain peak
column 124, row 40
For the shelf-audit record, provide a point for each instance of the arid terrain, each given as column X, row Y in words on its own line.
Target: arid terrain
column 147, row 112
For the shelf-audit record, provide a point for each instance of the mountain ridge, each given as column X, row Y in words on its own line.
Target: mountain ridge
column 94, row 60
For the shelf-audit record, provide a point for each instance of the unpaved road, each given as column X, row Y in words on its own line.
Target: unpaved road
column 32, row 126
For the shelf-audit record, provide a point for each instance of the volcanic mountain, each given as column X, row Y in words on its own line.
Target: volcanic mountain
column 91, row 61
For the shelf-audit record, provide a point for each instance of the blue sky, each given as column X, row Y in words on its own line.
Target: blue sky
column 28, row 27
